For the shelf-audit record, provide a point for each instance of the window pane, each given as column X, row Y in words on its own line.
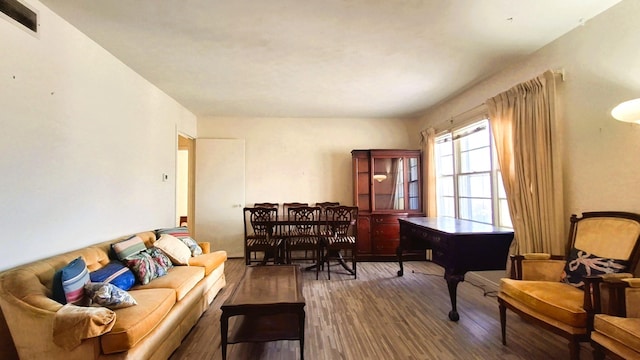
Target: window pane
column 474, row 140
column 475, row 160
column 476, row 185
column 476, row 210
column 446, row 206
column 444, row 186
column 505, row 219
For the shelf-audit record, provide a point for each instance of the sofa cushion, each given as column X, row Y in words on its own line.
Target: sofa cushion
column 175, row 249
column 68, row 282
column 580, row 264
column 114, row 273
column 623, row 330
column 129, row 247
column 209, row 261
column 181, row 279
column 135, row 322
column 556, row 300
column 108, row 295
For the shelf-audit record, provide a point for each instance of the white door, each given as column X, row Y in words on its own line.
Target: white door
column 220, row 194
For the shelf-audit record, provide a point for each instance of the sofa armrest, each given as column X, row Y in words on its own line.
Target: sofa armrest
column 205, row 246
column 72, row 324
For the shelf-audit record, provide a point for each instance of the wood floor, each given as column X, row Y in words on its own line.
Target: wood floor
column 382, row 316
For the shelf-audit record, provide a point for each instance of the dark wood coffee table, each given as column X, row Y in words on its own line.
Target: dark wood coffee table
column 269, row 306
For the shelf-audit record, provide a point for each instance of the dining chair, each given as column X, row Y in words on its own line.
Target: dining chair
column 288, row 205
column 267, row 205
column 303, row 235
column 323, row 205
column 340, row 243
column 259, row 236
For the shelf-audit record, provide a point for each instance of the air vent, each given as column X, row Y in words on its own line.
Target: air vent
column 20, row 13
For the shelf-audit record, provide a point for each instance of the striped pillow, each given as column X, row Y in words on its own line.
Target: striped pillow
column 182, row 233
column 114, row 273
column 179, row 232
column 128, row 248
column 68, row 282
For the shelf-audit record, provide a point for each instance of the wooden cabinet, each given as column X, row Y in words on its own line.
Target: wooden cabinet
column 387, row 186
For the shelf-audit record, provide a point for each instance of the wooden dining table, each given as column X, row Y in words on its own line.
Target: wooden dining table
column 281, row 228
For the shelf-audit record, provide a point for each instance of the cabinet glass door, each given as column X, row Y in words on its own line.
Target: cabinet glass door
column 389, row 183
column 414, row 183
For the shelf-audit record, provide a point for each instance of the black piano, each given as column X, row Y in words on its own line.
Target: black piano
column 457, row 245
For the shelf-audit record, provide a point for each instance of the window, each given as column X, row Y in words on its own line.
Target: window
column 468, row 183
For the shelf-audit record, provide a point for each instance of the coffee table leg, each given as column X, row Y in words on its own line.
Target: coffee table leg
column 224, row 327
column 301, row 317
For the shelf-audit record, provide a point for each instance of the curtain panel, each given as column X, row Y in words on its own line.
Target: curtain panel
column 524, row 126
column 428, row 150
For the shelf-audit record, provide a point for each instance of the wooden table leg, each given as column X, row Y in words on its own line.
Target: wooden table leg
column 224, row 327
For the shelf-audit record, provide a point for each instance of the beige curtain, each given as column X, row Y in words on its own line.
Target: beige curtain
column 523, row 122
column 428, row 158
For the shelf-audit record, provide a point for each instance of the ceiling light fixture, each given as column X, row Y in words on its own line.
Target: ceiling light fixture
column 628, row 111
column 379, row 177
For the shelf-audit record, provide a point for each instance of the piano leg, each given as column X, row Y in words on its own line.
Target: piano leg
column 452, row 284
column 399, row 254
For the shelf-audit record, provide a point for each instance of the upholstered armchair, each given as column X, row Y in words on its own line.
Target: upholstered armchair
column 563, row 294
column 618, row 337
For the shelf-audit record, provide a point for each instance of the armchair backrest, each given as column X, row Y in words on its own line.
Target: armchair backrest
column 608, row 234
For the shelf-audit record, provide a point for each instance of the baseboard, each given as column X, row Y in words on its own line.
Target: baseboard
column 489, row 279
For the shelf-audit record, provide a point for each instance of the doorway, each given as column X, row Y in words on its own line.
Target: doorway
column 185, row 183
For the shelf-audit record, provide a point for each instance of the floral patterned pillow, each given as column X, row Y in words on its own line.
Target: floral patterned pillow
column 143, row 267
column 580, row 264
column 162, row 261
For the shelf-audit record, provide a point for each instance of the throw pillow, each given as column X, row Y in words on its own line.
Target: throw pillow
column 175, row 249
column 162, row 261
column 142, row 266
column 114, row 273
column 68, row 282
column 108, row 295
column 128, row 247
column 179, row 232
column 581, row 264
column 192, row 245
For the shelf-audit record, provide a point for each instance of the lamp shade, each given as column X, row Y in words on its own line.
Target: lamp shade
column 628, row 111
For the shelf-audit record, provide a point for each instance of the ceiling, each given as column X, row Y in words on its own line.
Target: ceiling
column 321, row 58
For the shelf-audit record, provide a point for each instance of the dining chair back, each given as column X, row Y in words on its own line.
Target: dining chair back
column 302, row 240
column 259, row 237
column 340, row 243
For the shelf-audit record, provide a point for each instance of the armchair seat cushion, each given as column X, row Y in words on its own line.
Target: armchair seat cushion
column 622, row 330
column 557, row 300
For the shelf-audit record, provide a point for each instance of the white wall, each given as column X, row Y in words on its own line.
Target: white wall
column 305, row 160
column 85, row 141
column 602, row 64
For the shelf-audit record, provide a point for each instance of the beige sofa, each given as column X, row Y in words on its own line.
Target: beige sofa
column 167, row 308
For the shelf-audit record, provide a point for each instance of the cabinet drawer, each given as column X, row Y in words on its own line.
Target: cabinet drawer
column 387, row 247
column 387, row 219
column 385, row 232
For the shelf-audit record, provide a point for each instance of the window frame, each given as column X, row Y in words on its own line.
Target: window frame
column 453, row 180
